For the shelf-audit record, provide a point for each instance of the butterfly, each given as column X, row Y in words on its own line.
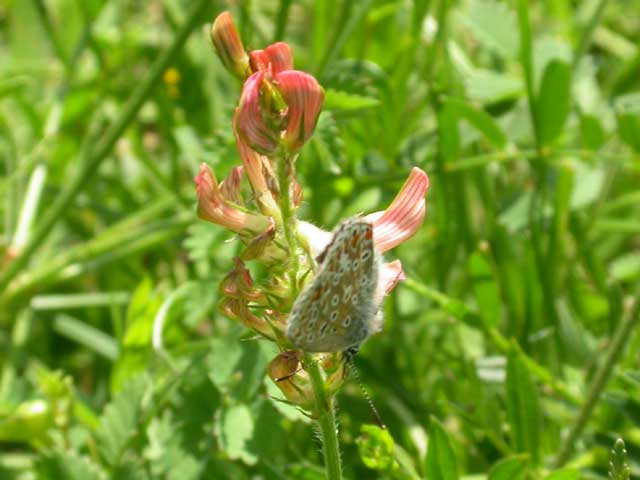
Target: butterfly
column 337, row 310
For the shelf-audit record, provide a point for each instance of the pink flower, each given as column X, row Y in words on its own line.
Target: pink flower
column 391, row 227
column 214, row 207
column 260, row 122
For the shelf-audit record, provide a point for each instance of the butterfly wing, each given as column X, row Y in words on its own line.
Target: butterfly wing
column 336, row 308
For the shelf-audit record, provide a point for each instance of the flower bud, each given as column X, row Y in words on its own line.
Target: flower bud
column 238, row 284
column 262, row 246
column 286, row 372
column 228, row 44
column 238, row 310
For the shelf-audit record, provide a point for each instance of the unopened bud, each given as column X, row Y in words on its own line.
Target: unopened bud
column 286, row 372
column 228, row 44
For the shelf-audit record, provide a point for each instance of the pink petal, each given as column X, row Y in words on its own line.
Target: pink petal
column 213, row 207
column 274, row 59
column 390, row 274
column 228, row 43
column 249, row 120
column 259, row 60
column 230, row 186
column 405, row 214
column 304, row 97
column 280, row 57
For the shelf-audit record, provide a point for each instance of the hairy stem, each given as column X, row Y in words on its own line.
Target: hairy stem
column 285, row 175
column 327, row 421
column 324, row 401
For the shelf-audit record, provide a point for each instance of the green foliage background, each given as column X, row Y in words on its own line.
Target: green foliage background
column 511, row 350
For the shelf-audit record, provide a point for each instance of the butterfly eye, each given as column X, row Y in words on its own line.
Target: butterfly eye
column 356, row 264
column 335, row 300
column 347, row 321
column 365, row 255
column 334, row 316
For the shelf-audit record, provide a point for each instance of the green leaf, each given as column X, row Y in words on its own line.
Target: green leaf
column 68, row 466
column 328, row 145
column 592, row 132
column 441, row 459
column 375, row 447
column 522, row 408
column 510, row 468
column 500, row 36
column 488, row 86
column 554, row 101
column 119, row 421
column 236, row 430
column 628, row 114
column 339, row 101
column 485, row 289
column 167, row 455
column 86, row 335
column 565, row 474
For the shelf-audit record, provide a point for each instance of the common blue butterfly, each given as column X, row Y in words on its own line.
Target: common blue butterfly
column 337, row 309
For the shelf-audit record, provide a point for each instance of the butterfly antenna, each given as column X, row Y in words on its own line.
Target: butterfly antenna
column 365, row 393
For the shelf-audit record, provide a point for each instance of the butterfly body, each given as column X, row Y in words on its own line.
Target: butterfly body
column 337, row 309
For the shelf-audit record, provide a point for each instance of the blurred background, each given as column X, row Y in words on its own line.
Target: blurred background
column 516, row 327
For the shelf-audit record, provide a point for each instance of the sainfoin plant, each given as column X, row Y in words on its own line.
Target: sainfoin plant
column 323, row 293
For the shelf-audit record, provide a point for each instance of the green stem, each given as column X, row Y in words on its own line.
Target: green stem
column 600, row 379
column 285, row 175
column 89, row 165
column 327, row 421
column 324, row 401
column 585, row 39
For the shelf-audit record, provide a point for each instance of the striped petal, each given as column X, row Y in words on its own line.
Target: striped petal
column 304, row 97
column 214, row 207
column 228, row 44
column 275, row 58
column 405, row 214
column 249, row 119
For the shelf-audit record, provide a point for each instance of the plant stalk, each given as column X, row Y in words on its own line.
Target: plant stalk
column 327, row 420
column 285, row 175
column 600, row 379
